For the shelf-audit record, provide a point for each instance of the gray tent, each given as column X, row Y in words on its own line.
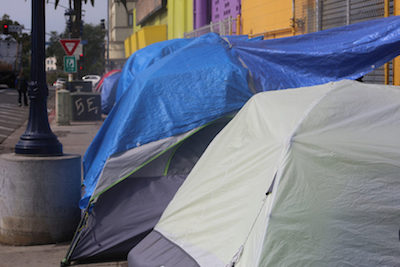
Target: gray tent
column 125, row 213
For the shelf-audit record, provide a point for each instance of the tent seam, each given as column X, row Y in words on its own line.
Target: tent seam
column 139, row 167
column 250, row 82
column 166, row 169
column 278, row 172
column 94, row 197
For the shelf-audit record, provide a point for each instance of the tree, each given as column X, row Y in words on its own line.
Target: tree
column 93, row 51
column 55, row 49
column 91, row 1
column 77, row 9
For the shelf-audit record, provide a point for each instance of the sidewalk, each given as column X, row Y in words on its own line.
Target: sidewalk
column 75, row 139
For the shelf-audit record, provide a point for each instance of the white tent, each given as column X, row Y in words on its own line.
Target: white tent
column 304, row 177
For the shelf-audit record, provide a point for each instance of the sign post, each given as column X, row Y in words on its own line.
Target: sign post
column 70, row 46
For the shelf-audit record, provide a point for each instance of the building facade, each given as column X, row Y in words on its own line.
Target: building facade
column 120, row 26
column 51, row 63
column 159, row 20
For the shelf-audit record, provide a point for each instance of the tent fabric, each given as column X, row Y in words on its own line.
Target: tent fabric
column 123, row 164
column 182, row 91
column 198, row 80
column 151, row 54
column 305, row 177
column 99, row 85
column 108, row 92
column 146, row 57
column 125, row 213
column 347, row 52
column 175, row 257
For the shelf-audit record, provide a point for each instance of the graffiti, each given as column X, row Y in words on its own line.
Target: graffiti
column 86, row 107
column 80, row 108
column 91, row 105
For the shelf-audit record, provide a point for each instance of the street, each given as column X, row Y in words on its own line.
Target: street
column 11, row 115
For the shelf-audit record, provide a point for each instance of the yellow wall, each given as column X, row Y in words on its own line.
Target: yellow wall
column 127, row 46
column 154, row 30
column 151, row 34
column 180, row 17
column 144, row 37
column 260, row 16
column 133, row 43
column 135, row 27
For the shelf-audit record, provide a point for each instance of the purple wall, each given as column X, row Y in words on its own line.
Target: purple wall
column 221, row 9
column 201, row 13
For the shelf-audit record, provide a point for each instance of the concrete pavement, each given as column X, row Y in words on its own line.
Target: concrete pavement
column 75, row 139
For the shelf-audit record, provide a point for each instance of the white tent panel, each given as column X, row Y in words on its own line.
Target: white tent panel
column 337, row 201
column 332, row 154
column 235, row 176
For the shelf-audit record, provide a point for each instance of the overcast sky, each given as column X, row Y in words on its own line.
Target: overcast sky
column 20, row 10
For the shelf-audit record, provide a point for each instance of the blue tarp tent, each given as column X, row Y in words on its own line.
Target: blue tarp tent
column 170, row 90
column 144, row 58
column 108, row 92
column 190, row 72
column 340, row 53
column 184, row 90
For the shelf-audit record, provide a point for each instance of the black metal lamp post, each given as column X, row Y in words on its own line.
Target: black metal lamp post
column 38, row 138
column 70, row 18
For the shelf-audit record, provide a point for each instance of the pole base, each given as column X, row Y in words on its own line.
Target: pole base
column 45, row 146
column 40, row 197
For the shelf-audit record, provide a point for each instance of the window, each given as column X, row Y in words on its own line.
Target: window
column 130, row 18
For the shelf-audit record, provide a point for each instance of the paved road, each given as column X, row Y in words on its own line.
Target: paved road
column 11, row 115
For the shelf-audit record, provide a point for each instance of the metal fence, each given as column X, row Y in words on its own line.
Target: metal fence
column 316, row 15
column 227, row 26
column 336, row 13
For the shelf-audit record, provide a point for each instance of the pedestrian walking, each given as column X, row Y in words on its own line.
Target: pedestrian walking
column 22, row 87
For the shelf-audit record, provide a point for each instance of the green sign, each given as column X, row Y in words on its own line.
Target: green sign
column 70, row 64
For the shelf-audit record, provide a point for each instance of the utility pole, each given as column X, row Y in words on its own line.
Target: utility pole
column 38, row 138
column 76, row 24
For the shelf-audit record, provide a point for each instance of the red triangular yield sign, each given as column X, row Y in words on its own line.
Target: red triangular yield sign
column 70, row 45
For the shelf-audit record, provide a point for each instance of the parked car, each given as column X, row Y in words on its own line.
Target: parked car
column 91, row 78
column 59, row 83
